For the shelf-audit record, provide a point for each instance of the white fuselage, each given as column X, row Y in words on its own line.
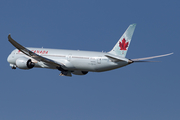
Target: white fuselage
column 73, row 60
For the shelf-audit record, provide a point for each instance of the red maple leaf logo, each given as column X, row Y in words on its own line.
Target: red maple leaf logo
column 123, row 45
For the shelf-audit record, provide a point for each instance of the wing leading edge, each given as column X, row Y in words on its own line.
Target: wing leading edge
column 34, row 55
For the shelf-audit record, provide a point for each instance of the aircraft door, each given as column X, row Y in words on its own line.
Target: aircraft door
column 69, row 57
column 99, row 60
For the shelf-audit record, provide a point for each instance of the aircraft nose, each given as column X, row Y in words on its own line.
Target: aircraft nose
column 8, row 59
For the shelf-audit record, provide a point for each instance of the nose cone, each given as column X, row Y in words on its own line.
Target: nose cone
column 10, row 59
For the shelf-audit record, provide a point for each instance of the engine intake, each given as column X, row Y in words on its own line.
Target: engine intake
column 24, row 63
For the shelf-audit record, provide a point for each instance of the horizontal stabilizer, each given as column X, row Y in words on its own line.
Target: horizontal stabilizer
column 116, row 58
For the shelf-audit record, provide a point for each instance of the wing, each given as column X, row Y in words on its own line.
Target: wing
column 34, row 55
column 147, row 58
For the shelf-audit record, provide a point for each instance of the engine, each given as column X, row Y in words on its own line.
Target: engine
column 24, row 63
column 80, row 72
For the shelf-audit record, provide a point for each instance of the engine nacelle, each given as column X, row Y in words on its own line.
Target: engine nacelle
column 24, row 63
column 77, row 72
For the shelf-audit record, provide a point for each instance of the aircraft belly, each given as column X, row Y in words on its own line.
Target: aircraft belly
column 110, row 66
column 84, row 65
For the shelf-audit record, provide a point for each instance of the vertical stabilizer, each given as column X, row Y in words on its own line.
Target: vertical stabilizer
column 123, row 43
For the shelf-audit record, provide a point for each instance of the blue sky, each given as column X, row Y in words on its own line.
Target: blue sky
column 142, row 91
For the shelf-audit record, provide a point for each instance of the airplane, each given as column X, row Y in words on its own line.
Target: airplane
column 75, row 61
